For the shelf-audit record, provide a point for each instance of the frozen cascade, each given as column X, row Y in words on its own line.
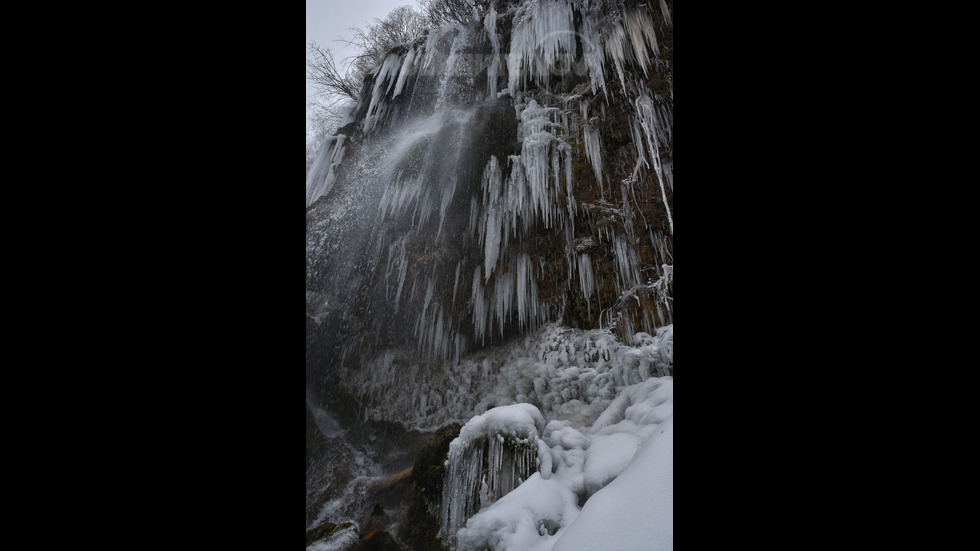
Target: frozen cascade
column 490, row 24
column 654, row 131
column 586, row 277
column 510, row 462
column 322, row 174
column 386, row 74
column 593, row 56
column 627, row 264
column 540, row 155
column 460, row 492
column 554, row 368
column 432, row 43
column 408, row 65
column 480, row 308
column 665, row 11
column 543, row 39
column 456, row 280
column 527, row 289
column 593, row 150
column 629, row 40
column 483, row 237
column 492, row 227
column 508, row 435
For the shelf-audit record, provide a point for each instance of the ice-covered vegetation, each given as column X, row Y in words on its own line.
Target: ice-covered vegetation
column 576, row 459
column 564, row 372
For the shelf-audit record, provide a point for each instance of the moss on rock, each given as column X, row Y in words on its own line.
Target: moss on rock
column 421, row 527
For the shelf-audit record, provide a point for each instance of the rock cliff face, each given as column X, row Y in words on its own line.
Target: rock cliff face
column 495, row 177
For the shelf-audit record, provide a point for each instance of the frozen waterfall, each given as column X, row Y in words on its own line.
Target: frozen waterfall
column 490, row 244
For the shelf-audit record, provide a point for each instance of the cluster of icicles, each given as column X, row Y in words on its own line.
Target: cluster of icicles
column 505, row 439
column 519, row 192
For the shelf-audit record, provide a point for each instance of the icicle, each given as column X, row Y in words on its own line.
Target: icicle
column 490, row 24
column 640, row 29
column 479, row 302
column 508, row 437
column 431, row 44
column 586, row 278
column 665, row 12
column 593, row 150
column 493, row 228
column 456, row 280
column 523, row 295
column 542, row 43
column 503, row 294
column 322, row 174
column 492, row 241
column 447, row 193
column 614, row 42
column 648, row 119
column 386, row 73
column 592, row 56
column 459, row 501
column 538, row 161
column 407, row 66
column 474, row 218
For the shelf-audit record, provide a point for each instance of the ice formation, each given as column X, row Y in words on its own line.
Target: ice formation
column 490, row 24
column 543, row 39
column 321, row 176
column 526, row 519
column 598, row 459
column 342, row 540
column 426, row 275
column 554, row 368
column 508, row 437
column 424, row 97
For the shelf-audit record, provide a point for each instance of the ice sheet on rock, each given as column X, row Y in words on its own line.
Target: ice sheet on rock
column 341, row 540
column 490, row 24
column 322, row 173
column 327, row 424
column 384, row 80
column 407, row 68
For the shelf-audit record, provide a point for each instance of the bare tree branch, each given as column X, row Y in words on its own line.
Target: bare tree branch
column 327, row 78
